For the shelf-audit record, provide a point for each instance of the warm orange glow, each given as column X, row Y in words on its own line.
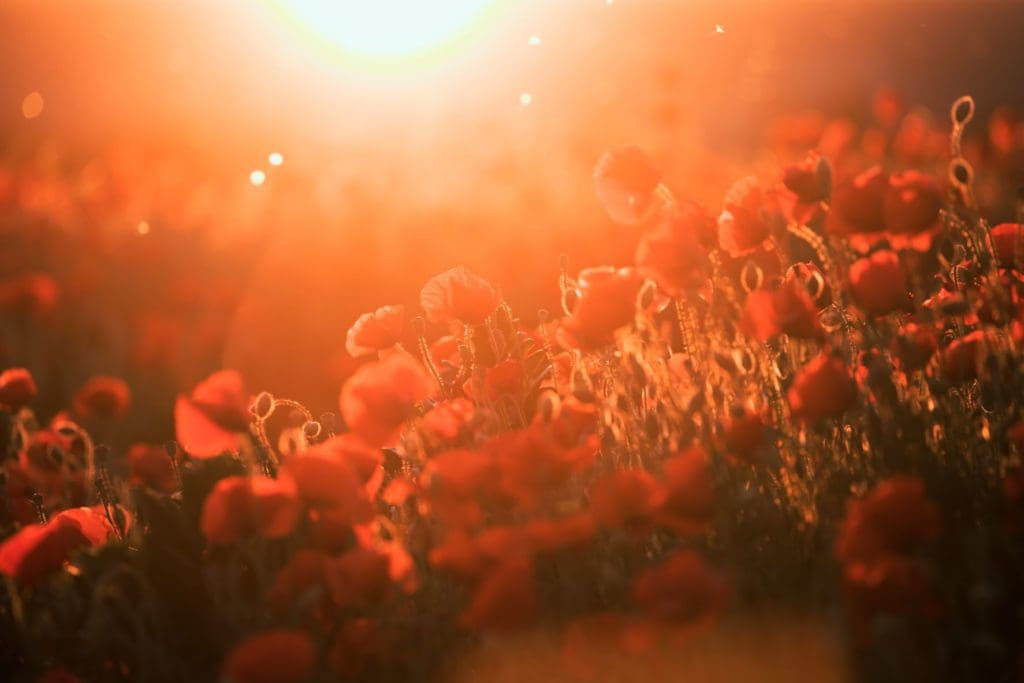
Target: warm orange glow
column 386, row 32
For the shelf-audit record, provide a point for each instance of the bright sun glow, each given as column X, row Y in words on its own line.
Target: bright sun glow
column 387, row 31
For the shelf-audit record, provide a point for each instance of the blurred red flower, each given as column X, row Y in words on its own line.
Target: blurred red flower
column 878, row 284
column 34, row 552
column 961, row 361
column 1008, row 244
column 505, row 599
column 449, row 419
column 28, row 296
column 102, row 397
column 626, row 182
column 151, row 466
column 17, row 388
column 625, row 499
column 239, row 506
column 672, row 254
column 359, row 578
column 208, row 422
column 459, row 294
column 894, row 517
column 823, row 388
column 745, row 436
column 325, row 480
column 910, row 209
column 786, row 310
column 914, row 347
column 376, row 331
column 378, row 399
column 857, row 205
column 746, row 220
column 682, row 590
column 279, row 656
column 689, row 504
column 607, row 302
column 808, row 186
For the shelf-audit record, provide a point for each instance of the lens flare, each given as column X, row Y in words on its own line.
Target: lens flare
column 387, row 32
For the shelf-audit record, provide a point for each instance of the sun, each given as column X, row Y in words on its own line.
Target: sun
column 387, row 32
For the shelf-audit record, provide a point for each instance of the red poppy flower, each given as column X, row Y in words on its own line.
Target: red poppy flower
column 359, row 578
column 787, row 310
column 305, row 570
column 28, row 296
column 151, row 466
column 911, row 204
column 505, row 599
column 746, row 220
column 531, row 461
column 683, row 590
column 324, row 480
column 823, row 388
column 914, row 347
column 240, row 506
column 672, row 255
column 17, row 388
column 44, row 458
column 208, row 422
column 94, row 523
column 449, row 419
column 626, row 498
column 459, row 294
column 962, row 360
column 807, row 183
column 36, row 551
column 1008, row 244
column 376, row 331
column 745, row 436
column 459, row 556
column 892, row 584
column 378, row 399
column 878, row 285
column 895, row 517
column 364, row 460
column 626, row 183
column 459, row 473
column 607, row 302
column 102, row 397
column 689, row 504
column 279, row 656
column 550, row 535
column 857, row 205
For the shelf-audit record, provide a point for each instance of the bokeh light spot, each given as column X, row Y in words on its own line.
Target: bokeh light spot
column 32, row 105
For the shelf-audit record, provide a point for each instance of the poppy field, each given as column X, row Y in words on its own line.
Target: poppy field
column 789, row 419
